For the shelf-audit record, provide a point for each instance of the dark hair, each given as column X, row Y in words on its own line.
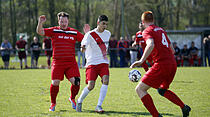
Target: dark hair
column 62, row 14
column 102, row 18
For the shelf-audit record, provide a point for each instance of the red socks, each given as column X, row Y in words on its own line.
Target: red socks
column 53, row 93
column 173, row 98
column 148, row 103
column 74, row 91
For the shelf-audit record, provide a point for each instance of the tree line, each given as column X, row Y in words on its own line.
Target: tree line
column 20, row 16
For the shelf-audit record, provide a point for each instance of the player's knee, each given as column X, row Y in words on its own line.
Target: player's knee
column 76, row 81
column 161, row 91
column 55, row 82
column 105, row 79
column 91, row 86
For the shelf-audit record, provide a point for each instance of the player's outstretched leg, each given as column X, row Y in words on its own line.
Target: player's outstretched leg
column 141, row 90
column 171, row 96
column 84, row 93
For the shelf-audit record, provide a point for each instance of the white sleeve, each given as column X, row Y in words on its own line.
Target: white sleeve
column 86, row 39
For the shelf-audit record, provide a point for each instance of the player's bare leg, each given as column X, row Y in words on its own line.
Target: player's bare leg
column 141, row 90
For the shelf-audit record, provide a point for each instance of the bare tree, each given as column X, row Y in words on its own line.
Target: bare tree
column 0, row 22
column 52, row 12
column 13, row 21
column 77, row 14
column 87, row 16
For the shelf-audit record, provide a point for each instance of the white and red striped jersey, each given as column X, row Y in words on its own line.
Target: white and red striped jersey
column 96, row 47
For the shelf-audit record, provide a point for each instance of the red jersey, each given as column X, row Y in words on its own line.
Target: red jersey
column 47, row 43
column 21, row 44
column 161, row 52
column 63, row 42
column 140, row 40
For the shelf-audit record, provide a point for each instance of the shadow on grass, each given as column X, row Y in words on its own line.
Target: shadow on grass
column 183, row 81
column 134, row 114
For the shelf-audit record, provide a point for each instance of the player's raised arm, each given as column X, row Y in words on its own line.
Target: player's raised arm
column 86, row 28
column 40, row 29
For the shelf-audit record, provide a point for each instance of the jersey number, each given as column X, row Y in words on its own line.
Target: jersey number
column 164, row 41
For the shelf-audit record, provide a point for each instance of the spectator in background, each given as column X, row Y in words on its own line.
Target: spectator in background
column 127, row 56
column 80, row 55
column 206, row 42
column 185, row 56
column 35, row 52
column 121, row 45
column 177, row 54
column 21, row 46
column 194, row 58
column 113, row 51
column 5, row 53
column 133, row 50
column 47, row 46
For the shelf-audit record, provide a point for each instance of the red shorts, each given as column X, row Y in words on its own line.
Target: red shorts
column 22, row 55
column 69, row 69
column 92, row 71
column 160, row 75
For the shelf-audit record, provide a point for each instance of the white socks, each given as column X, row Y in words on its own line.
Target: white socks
column 102, row 94
column 83, row 94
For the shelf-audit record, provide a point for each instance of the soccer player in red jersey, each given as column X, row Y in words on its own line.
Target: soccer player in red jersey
column 162, row 73
column 47, row 46
column 140, row 41
column 64, row 62
column 21, row 46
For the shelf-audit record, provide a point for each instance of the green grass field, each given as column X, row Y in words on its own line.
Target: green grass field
column 25, row 93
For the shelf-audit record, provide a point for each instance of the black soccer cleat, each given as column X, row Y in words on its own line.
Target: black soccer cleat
column 186, row 110
column 160, row 115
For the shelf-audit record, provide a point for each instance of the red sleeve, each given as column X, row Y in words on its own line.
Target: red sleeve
column 48, row 31
column 147, row 34
column 79, row 36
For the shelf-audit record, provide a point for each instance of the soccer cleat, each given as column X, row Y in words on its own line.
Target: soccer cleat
column 72, row 101
column 99, row 109
column 52, row 107
column 79, row 107
column 186, row 110
column 160, row 115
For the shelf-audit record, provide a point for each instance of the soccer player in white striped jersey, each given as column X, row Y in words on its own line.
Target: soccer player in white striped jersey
column 95, row 44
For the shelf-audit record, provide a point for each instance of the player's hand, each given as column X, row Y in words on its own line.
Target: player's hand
column 42, row 19
column 86, row 28
column 136, row 63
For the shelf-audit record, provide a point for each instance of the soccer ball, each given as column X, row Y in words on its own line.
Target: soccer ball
column 134, row 75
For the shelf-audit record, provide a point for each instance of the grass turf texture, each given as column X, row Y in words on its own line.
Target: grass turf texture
column 25, row 93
